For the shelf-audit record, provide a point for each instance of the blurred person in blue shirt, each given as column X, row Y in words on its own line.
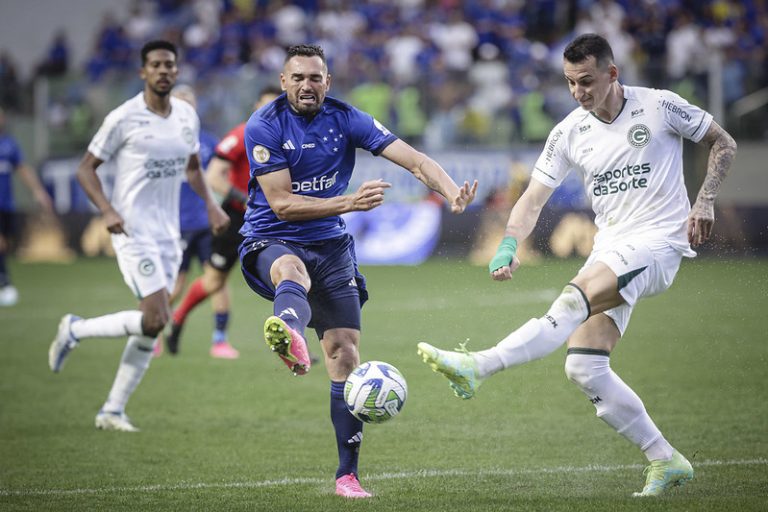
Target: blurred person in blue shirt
column 12, row 160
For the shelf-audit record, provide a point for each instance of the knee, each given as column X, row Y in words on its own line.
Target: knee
column 577, row 370
column 342, row 350
column 291, row 268
column 153, row 323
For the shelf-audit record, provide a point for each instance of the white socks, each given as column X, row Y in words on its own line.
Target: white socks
column 539, row 336
column 123, row 323
column 136, row 356
column 615, row 402
column 133, row 366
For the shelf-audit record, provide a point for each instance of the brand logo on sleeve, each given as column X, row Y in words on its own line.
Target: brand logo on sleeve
column 288, row 145
column 668, row 105
column 639, row 136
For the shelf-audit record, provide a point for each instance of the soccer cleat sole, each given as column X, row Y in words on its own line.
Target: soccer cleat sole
column 278, row 339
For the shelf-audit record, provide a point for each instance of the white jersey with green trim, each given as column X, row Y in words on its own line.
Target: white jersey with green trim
column 632, row 167
column 150, row 155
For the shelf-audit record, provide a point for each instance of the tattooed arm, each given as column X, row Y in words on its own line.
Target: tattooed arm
column 722, row 149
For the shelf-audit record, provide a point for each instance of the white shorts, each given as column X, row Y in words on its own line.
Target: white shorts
column 643, row 270
column 147, row 265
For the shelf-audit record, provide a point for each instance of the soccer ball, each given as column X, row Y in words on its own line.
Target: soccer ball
column 375, row 392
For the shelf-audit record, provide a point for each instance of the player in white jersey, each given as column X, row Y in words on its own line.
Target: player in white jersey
column 626, row 142
column 152, row 139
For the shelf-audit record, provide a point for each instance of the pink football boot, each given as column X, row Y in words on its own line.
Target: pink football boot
column 348, row 486
column 288, row 344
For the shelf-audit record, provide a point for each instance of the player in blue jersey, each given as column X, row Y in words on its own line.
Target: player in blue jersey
column 12, row 160
column 295, row 251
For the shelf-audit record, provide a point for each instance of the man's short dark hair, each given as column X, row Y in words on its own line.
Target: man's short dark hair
column 158, row 44
column 305, row 50
column 589, row 45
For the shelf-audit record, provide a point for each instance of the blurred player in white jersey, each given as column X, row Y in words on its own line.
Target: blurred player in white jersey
column 153, row 141
column 626, row 143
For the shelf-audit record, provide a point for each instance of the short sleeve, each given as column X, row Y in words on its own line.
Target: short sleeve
column 553, row 164
column 367, row 133
column 108, row 139
column 262, row 143
column 683, row 118
column 196, row 130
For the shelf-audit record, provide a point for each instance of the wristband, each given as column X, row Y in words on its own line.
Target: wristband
column 504, row 254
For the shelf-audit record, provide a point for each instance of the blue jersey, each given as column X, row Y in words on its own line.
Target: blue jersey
column 10, row 158
column 192, row 212
column 320, row 154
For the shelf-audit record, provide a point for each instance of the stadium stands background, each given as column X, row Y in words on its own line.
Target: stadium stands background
column 481, row 80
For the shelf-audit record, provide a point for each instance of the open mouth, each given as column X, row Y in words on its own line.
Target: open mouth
column 307, row 98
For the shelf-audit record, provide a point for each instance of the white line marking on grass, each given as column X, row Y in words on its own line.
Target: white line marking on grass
column 425, row 473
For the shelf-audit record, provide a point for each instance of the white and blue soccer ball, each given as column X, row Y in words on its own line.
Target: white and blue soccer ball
column 375, row 392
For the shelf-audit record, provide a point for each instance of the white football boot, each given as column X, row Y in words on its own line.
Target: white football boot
column 117, row 421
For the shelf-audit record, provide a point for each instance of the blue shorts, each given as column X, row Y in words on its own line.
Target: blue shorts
column 338, row 288
column 196, row 242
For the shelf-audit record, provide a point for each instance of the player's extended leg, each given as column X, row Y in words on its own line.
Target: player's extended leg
column 284, row 330
column 220, row 346
column 587, row 365
column 201, row 288
column 134, row 363
column 590, row 292
column 341, row 357
column 9, row 296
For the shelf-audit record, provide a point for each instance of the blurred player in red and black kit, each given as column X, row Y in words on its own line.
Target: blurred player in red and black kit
column 228, row 175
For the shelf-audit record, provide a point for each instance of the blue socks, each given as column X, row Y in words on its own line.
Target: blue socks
column 349, row 431
column 221, row 320
column 292, row 306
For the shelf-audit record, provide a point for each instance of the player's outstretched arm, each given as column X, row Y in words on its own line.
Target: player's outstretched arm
column 30, row 179
column 86, row 176
column 218, row 220
column 292, row 207
column 431, row 174
column 722, row 149
column 521, row 222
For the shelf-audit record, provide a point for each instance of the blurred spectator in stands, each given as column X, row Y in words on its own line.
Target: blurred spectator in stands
column 142, row 21
column 652, row 40
column 9, row 82
column 456, row 39
column 290, row 22
column 402, row 52
column 56, row 62
column 685, row 52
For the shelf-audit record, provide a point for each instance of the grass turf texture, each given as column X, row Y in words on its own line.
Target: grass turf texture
column 246, row 435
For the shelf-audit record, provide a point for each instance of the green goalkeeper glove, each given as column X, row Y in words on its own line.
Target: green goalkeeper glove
column 505, row 254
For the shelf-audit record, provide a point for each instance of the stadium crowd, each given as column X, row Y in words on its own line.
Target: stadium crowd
column 439, row 72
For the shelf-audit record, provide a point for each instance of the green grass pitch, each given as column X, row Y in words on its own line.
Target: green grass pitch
column 247, row 435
